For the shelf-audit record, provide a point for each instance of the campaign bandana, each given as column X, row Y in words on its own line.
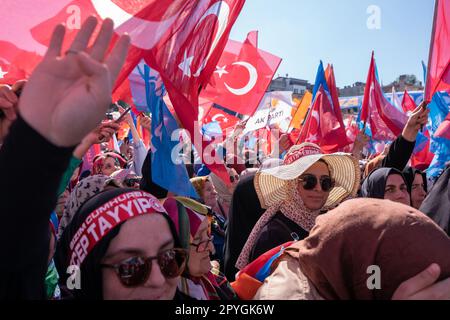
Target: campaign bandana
column 106, row 217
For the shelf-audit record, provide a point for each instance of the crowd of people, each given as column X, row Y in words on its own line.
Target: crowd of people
column 303, row 225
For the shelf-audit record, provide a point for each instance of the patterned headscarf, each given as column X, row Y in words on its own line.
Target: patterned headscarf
column 83, row 191
column 293, row 208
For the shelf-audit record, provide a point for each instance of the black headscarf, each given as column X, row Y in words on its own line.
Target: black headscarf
column 437, row 204
column 374, row 185
column 147, row 183
column 245, row 210
column 410, row 174
column 90, row 270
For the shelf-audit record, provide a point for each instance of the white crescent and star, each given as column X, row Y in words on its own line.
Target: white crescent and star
column 221, row 71
column 253, row 73
column 217, row 116
column 144, row 34
column 313, row 137
column 2, row 73
column 316, row 116
column 221, row 10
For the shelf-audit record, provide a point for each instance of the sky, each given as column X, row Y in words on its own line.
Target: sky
column 303, row 32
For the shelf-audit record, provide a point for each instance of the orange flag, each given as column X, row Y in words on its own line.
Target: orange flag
column 302, row 110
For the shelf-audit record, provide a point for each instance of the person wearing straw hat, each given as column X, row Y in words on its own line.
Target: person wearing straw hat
column 308, row 184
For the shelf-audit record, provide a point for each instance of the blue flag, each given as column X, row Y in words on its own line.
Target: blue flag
column 439, row 108
column 168, row 173
column 320, row 81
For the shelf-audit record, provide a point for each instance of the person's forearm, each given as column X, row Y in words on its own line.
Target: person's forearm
column 134, row 133
column 410, row 134
column 140, row 153
column 399, row 154
column 81, row 150
column 30, row 169
column 27, row 156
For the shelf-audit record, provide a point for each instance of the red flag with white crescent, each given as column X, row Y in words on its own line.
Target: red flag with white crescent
column 242, row 76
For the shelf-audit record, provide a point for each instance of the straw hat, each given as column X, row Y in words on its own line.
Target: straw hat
column 271, row 185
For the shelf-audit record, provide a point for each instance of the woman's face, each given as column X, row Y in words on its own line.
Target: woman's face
column 109, row 166
column 209, row 194
column 316, row 198
column 143, row 236
column 199, row 263
column 396, row 190
column 418, row 193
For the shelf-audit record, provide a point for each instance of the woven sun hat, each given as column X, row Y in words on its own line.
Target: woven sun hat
column 271, row 185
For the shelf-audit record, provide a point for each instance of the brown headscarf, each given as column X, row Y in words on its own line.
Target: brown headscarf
column 361, row 233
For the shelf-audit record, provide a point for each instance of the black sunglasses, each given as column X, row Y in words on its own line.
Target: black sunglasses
column 202, row 246
column 310, row 181
column 135, row 271
column 131, row 182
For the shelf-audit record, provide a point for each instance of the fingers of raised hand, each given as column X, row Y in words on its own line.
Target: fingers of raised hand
column 113, row 126
column 108, row 132
column 117, row 57
column 103, row 40
column 84, row 35
column 56, row 41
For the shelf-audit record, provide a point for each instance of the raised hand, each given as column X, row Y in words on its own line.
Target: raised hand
column 67, row 96
column 416, row 121
column 146, row 122
column 102, row 133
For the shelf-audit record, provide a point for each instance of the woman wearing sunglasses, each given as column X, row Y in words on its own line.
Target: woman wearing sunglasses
column 193, row 224
column 294, row 194
column 121, row 245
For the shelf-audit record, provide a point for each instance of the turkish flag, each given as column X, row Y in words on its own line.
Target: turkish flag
column 386, row 121
column 187, row 58
column 408, row 103
column 225, row 119
column 148, row 22
column 322, row 127
column 19, row 52
column 438, row 77
column 331, row 82
column 242, row 76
